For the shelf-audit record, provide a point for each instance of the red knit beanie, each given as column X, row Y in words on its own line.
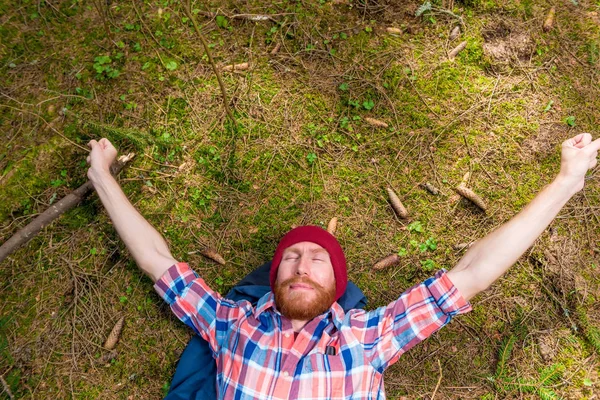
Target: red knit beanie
column 324, row 239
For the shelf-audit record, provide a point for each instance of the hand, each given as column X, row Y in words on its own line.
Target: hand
column 578, row 154
column 101, row 157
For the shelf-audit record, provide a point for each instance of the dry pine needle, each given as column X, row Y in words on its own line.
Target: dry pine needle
column 211, row 253
column 375, row 122
column 470, row 195
column 397, row 204
column 113, row 337
column 388, row 261
column 332, row 225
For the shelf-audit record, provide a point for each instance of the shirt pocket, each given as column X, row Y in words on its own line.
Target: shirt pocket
column 330, row 372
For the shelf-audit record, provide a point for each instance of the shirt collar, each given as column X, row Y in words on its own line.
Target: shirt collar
column 336, row 312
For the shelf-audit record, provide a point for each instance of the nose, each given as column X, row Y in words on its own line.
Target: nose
column 303, row 266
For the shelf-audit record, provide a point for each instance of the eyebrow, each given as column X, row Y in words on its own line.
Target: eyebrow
column 295, row 250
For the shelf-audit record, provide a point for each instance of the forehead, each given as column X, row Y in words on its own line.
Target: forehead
column 305, row 246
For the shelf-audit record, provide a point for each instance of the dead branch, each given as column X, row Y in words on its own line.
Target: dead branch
column 236, row 67
column 56, row 210
column 188, row 11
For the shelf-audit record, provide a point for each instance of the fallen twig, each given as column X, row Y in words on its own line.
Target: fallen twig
column 6, row 388
column 236, row 67
column 188, row 11
column 27, row 233
column 437, row 386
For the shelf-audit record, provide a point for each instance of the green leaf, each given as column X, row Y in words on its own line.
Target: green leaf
column 221, row 21
column 171, row 65
column 415, row 227
column 570, row 121
column 369, row 104
column 428, row 265
column 102, row 60
column 93, row 251
column 402, row 252
column 311, row 157
column 344, row 87
column 549, row 106
column 588, row 382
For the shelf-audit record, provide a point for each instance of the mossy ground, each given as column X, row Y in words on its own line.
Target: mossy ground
column 302, row 153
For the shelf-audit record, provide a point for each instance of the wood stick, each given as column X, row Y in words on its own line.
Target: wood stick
column 188, row 11
column 6, row 388
column 27, row 233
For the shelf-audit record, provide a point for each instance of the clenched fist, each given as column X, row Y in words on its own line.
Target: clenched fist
column 578, row 155
column 101, row 157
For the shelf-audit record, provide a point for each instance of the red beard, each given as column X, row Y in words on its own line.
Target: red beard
column 297, row 305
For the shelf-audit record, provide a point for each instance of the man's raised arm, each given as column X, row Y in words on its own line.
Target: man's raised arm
column 491, row 256
column 145, row 244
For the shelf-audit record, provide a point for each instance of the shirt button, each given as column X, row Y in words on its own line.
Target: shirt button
column 287, row 335
column 286, row 374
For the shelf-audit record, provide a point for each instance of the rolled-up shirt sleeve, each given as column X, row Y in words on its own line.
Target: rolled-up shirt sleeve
column 197, row 305
column 390, row 331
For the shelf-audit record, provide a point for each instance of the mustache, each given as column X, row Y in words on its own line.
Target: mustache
column 300, row 279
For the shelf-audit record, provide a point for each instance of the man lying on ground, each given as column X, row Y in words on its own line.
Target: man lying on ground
column 297, row 342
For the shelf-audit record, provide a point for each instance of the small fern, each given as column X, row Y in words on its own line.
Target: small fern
column 590, row 332
column 547, row 394
column 551, row 375
column 423, row 8
column 504, row 354
column 548, row 376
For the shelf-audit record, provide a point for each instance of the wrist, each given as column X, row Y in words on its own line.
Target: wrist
column 97, row 176
column 567, row 184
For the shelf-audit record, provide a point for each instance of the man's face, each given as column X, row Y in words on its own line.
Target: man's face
column 305, row 285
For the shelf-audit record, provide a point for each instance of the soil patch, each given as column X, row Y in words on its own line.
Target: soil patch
column 505, row 43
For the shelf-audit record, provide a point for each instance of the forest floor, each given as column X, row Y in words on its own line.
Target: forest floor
column 303, row 151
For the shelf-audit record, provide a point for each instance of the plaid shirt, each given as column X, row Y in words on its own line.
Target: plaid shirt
column 258, row 358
